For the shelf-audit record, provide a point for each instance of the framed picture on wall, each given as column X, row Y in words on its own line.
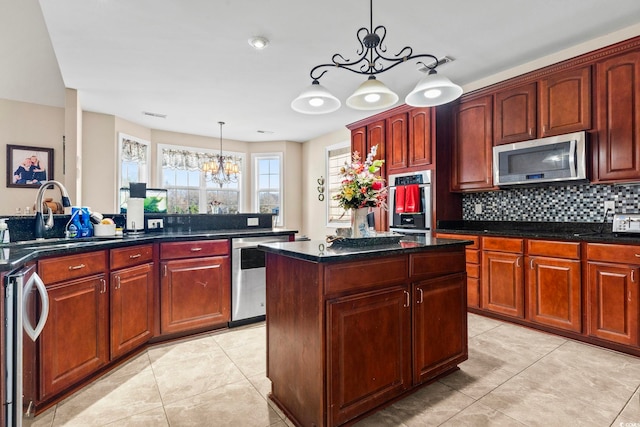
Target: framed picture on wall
column 28, row 167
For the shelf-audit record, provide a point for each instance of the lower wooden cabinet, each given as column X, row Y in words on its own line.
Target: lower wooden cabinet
column 440, row 327
column 74, row 342
column 473, row 255
column 131, row 308
column 502, row 283
column 369, row 351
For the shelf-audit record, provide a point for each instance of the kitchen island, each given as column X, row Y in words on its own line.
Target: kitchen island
column 350, row 329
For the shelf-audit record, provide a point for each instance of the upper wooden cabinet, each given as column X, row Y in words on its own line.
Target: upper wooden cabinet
column 617, row 156
column 409, row 140
column 472, row 144
column 564, row 102
column 515, row 114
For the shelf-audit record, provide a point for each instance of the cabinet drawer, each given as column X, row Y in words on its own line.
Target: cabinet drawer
column 474, row 239
column 473, row 270
column 366, row 274
column 130, row 256
column 621, row 254
column 68, row 267
column 439, row 263
column 473, row 256
column 552, row 248
column 196, row 248
column 502, row 244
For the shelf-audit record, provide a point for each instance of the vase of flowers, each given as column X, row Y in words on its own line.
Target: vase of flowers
column 362, row 188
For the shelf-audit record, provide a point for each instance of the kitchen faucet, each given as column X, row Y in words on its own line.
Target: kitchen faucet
column 41, row 225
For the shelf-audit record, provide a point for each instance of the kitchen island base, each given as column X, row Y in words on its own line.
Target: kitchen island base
column 350, row 331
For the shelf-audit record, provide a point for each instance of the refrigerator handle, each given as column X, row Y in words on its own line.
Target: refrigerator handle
column 34, row 333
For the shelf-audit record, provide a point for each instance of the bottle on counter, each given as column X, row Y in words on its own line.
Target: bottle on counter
column 86, row 229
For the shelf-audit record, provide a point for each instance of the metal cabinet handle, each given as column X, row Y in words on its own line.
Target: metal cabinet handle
column 637, row 255
column 531, row 263
column 407, row 300
column 633, row 276
column 135, row 256
column 421, row 300
column 530, row 131
column 518, row 262
column 165, row 270
column 196, row 249
column 76, row 267
column 36, row 281
column 104, row 286
column 117, row 282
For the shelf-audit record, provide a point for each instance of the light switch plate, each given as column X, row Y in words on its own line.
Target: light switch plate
column 478, row 208
column 252, row 222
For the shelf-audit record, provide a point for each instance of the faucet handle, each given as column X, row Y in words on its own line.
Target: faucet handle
column 48, row 225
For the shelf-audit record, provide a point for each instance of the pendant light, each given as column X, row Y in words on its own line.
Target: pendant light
column 222, row 169
column 431, row 90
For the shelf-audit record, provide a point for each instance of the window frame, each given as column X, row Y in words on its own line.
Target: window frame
column 202, row 188
column 143, row 175
column 255, row 202
column 346, row 219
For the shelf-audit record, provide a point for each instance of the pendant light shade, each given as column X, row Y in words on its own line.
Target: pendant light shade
column 315, row 99
column 372, row 95
column 433, row 89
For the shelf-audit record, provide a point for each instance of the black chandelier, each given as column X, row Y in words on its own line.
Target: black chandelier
column 431, row 90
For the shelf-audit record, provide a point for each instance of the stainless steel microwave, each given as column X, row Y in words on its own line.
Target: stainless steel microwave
column 552, row 159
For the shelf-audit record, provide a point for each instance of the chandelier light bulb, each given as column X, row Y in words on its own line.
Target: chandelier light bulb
column 432, row 93
column 316, row 102
column 372, row 97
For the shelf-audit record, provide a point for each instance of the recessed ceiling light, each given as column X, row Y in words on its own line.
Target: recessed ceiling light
column 258, row 42
column 265, row 131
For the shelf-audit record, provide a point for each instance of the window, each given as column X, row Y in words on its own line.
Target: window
column 337, row 156
column 268, row 185
column 188, row 190
column 134, row 165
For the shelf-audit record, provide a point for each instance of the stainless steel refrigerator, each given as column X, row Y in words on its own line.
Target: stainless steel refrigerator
column 26, row 303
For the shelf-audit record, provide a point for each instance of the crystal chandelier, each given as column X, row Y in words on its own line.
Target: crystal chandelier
column 372, row 94
column 221, row 169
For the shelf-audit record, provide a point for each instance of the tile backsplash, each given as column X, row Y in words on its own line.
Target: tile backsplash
column 557, row 203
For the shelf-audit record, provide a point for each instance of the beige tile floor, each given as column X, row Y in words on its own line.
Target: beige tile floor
column 514, row 377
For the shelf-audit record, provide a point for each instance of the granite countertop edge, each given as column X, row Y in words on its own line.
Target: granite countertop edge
column 15, row 256
column 321, row 252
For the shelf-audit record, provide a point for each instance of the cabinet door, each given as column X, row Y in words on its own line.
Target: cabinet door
column 369, row 351
column 554, row 286
column 359, row 140
column 194, row 294
column 564, row 102
column 74, row 340
column 502, row 283
column 131, row 308
column 618, row 92
column 421, row 136
column 472, row 145
column 515, row 115
column 397, row 142
column 612, row 302
column 440, row 325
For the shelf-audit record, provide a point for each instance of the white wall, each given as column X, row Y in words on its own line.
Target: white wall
column 314, row 212
column 28, row 124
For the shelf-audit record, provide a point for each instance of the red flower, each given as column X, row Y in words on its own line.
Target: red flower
column 377, row 185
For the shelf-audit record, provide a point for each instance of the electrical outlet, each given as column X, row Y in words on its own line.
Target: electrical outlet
column 252, row 222
column 609, row 207
column 478, row 208
column 155, row 224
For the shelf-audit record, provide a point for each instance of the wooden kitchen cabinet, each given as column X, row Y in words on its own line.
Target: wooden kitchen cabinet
column 612, row 297
column 440, row 331
column 195, row 285
column 472, row 144
column 617, row 156
column 363, row 137
column 409, row 140
column 473, row 256
column 564, row 102
column 131, row 296
column 554, row 284
column 502, row 276
column 74, row 342
column 515, row 114
column 370, row 347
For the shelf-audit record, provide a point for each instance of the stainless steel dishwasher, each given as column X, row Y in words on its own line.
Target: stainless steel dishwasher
column 248, row 278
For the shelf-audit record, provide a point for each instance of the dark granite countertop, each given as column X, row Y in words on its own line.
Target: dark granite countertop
column 320, row 251
column 571, row 231
column 14, row 255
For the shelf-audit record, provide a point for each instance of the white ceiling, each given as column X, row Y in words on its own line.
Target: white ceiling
column 190, row 60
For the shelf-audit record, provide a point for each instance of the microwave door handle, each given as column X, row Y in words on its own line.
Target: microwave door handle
column 573, row 157
column 34, row 333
